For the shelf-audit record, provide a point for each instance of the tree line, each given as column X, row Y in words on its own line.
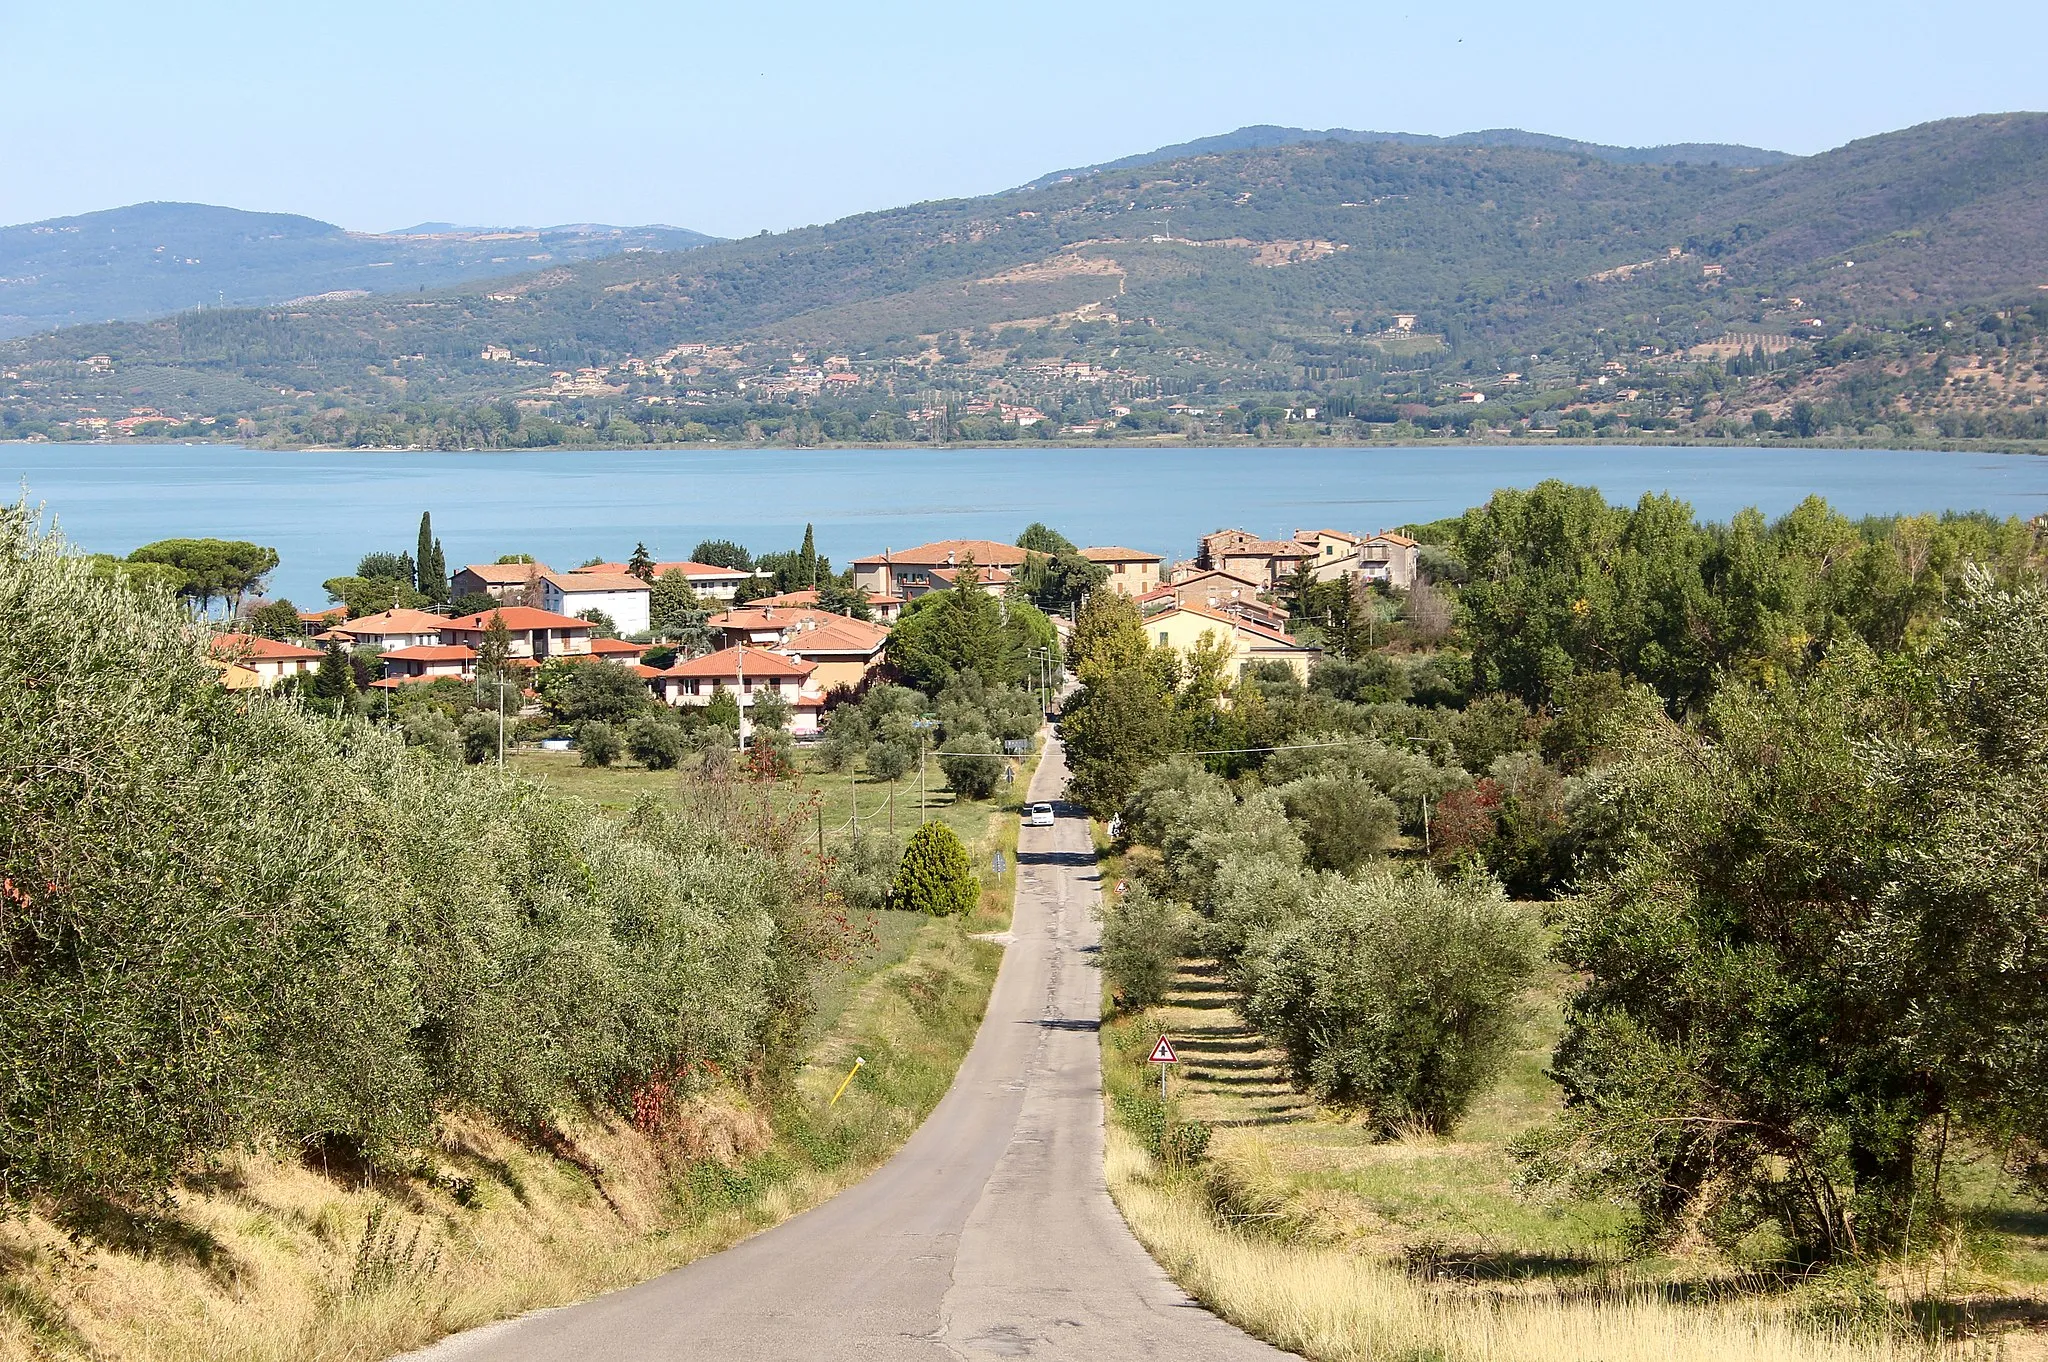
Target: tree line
column 1772, row 791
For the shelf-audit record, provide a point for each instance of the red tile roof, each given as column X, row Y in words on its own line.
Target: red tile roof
column 518, row 618
column 505, row 574
column 399, row 621
column 787, row 598
column 989, row 576
column 616, row 647
column 249, row 648
column 394, row 682
column 591, row 579
column 686, row 567
column 726, row 663
column 1258, row 630
column 1113, row 554
column 432, row 652
column 946, row 552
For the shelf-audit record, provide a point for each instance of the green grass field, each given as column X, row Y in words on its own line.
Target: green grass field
column 836, row 796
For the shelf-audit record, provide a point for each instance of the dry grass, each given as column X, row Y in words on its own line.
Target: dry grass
column 1335, row 1306
column 1308, row 1231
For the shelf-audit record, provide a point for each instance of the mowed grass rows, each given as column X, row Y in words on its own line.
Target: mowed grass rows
column 1305, row 1230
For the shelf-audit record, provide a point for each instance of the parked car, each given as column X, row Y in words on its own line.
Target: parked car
column 1040, row 816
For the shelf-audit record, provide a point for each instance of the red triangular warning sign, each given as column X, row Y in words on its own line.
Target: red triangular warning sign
column 1162, row 1053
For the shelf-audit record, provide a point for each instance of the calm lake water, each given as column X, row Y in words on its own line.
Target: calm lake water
column 324, row 510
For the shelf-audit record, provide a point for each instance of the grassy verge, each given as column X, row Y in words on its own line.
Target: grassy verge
column 1299, row 1227
column 269, row 1256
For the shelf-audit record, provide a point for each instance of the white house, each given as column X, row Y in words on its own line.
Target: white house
column 622, row 596
column 744, row 673
column 706, row 579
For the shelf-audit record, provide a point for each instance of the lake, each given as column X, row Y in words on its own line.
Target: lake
column 323, row 510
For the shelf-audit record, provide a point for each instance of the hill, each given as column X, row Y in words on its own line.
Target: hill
column 1378, row 276
column 149, row 259
column 1268, row 135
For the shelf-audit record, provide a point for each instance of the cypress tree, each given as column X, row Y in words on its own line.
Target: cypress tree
column 809, row 556
column 430, row 564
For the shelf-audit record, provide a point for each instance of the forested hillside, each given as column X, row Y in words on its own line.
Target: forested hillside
column 1386, row 280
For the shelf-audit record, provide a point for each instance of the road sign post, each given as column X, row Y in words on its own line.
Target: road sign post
column 1164, row 1057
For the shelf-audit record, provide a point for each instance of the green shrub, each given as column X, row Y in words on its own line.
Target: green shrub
column 1343, row 822
column 1143, row 938
column 433, row 730
column 1396, row 993
column 935, row 876
column 973, row 768
column 655, row 743
column 598, row 742
column 1167, row 1136
column 479, row 734
column 864, row 871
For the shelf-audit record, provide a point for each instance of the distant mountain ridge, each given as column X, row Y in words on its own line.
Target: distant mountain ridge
column 1260, row 135
column 149, row 259
column 1337, row 269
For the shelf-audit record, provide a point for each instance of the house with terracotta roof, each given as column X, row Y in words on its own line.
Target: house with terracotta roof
column 744, row 673
column 993, row 581
column 706, row 579
column 503, row 581
column 1390, row 558
column 1269, row 562
column 1221, row 592
column 535, row 634
column 617, row 650
column 1328, row 544
column 845, row 652
column 1131, row 571
column 885, row 609
column 388, row 629
column 908, row 572
column 1182, row 627
column 426, row 662
column 620, row 595
column 266, row 659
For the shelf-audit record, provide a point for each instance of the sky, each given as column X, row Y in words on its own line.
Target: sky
column 732, row 119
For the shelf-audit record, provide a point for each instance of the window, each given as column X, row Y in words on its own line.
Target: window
column 1162, row 638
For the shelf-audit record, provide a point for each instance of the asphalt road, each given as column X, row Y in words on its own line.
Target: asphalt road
column 990, row 1235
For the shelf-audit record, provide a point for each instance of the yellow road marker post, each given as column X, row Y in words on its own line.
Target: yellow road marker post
column 857, row 1063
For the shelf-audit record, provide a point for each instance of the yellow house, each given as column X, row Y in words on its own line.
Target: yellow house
column 1184, row 626
column 1131, row 571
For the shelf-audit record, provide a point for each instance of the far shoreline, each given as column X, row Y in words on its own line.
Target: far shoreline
column 2024, row 448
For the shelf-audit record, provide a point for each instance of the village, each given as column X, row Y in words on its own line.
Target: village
column 802, row 652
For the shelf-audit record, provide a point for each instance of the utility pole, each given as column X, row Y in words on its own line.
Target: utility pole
column 924, row 723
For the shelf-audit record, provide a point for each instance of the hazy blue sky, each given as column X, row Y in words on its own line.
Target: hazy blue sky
column 731, row 118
